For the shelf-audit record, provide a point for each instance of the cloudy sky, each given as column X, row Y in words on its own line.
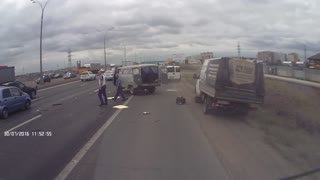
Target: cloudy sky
column 152, row 29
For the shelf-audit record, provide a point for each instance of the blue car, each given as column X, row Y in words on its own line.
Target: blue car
column 12, row 99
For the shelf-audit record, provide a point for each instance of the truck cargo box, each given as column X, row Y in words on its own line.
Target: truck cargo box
column 232, row 79
column 7, row 74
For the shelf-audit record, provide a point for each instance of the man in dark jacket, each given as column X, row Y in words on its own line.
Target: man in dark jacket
column 119, row 89
column 102, row 89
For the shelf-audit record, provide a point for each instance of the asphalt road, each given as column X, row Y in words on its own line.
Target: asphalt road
column 68, row 114
column 171, row 142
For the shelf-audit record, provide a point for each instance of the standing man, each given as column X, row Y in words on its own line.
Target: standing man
column 102, row 89
column 119, row 89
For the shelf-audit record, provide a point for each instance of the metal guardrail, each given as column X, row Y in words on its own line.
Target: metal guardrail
column 292, row 80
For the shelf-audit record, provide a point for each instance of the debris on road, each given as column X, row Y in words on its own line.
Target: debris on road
column 146, row 113
column 180, row 100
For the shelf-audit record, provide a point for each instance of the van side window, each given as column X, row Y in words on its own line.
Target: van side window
column 136, row 71
column 127, row 71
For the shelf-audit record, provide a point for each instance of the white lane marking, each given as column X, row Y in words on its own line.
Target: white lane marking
column 77, row 158
column 96, row 90
column 33, row 100
column 57, row 86
column 83, row 85
column 23, row 123
column 121, row 107
column 171, row 90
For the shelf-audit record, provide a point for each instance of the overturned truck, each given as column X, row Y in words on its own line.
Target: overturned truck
column 230, row 84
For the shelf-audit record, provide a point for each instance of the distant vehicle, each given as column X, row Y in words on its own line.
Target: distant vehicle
column 173, row 72
column 57, row 76
column 12, row 99
column 230, row 84
column 46, row 78
column 93, row 67
column 7, row 74
column 140, row 77
column 69, row 75
column 29, row 90
column 109, row 74
column 87, row 76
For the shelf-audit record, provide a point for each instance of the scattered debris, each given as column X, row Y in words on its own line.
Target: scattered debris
column 180, row 100
column 145, row 113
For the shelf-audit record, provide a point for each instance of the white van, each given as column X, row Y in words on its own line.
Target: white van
column 140, row 77
column 173, row 72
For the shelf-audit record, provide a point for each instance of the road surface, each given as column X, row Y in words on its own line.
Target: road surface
column 171, row 142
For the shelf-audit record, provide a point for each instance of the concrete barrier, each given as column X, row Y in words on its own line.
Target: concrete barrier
column 292, row 72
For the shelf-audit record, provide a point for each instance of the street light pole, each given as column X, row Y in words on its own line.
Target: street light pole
column 105, row 54
column 42, row 12
column 104, row 45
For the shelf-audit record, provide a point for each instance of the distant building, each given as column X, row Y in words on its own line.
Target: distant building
column 293, row 57
column 271, row 57
column 314, row 61
column 198, row 59
column 193, row 60
column 206, row 55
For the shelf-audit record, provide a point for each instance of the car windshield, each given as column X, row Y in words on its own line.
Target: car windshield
column 159, row 89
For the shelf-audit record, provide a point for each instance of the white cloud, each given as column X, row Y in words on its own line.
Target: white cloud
column 153, row 28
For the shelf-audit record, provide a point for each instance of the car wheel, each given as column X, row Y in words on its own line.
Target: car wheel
column 132, row 91
column 32, row 94
column 27, row 105
column 5, row 113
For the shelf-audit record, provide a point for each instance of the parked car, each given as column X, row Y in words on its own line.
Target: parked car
column 87, row 75
column 69, row 75
column 29, row 90
column 109, row 74
column 12, row 99
column 45, row 77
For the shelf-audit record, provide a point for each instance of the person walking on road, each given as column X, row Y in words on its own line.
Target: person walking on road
column 119, row 89
column 102, row 89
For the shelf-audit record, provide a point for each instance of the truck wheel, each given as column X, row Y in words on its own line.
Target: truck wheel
column 206, row 105
column 151, row 90
column 5, row 113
